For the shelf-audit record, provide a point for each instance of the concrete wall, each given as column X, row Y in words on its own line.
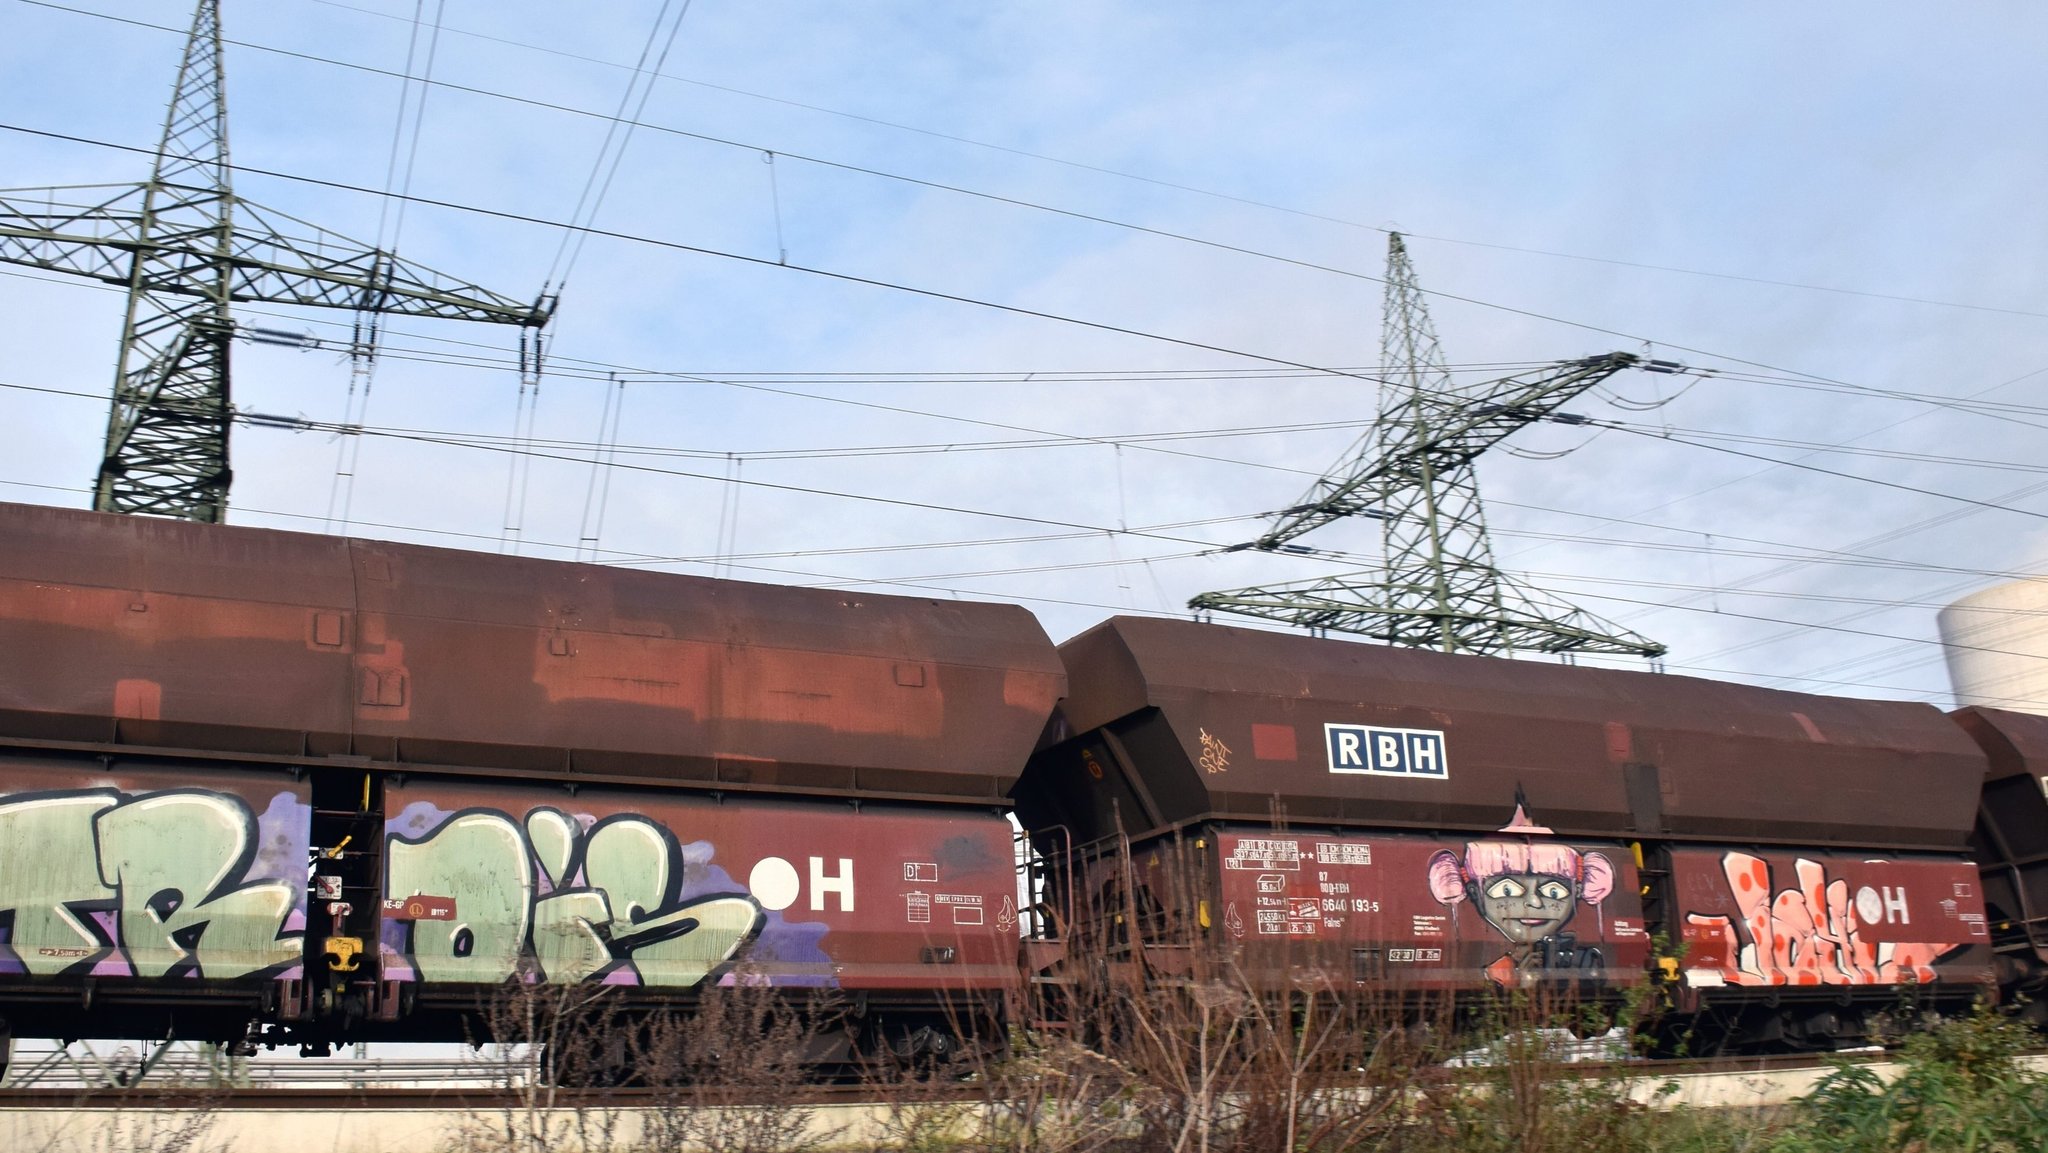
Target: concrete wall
column 365, row 1128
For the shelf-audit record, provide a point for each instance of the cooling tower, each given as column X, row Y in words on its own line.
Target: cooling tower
column 1996, row 641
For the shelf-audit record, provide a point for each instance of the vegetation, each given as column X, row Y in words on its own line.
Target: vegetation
column 1197, row 1064
column 1963, row 1091
column 1190, row 1064
column 1177, row 1049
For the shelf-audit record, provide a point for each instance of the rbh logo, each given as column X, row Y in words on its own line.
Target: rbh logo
column 1397, row 752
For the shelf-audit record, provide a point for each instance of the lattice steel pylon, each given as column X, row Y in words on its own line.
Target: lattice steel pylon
column 1414, row 472
column 186, row 248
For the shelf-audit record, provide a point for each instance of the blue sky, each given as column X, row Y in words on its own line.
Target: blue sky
column 1884, row 155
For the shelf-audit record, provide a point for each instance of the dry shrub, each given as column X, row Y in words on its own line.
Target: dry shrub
column 129, row 1106
column 920, row 1110
column 542, row 1046
column 724, row 1077
column 1171, row 1044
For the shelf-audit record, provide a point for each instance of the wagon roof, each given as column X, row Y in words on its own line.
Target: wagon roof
column 239, row 639
column 1247, row 724
column 2017, row 743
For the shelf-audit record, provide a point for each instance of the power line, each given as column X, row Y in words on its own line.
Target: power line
column 1882, row 538
column 1660, row 435
column 369, row 319
column 1968, row 404
column 1813, row 555
column 1770, row 594
column 1843, row 449
column 1023, row 570
column 1812, row 625
column 1915, row 693
column 491, row 358
column 929, row 546
column 594, row 192
column 314, row 58
column 700, row 250
column 807, row 490
column 1194, row 189
column 1808, row 555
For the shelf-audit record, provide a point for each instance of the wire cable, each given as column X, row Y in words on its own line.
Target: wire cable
column 700, row 250
column 572, row 241
column 1510, row 309
column 1659, row 435
column 369, row 322
column 1189, row 188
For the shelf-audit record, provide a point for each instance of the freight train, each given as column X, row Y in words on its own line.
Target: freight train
column 275, row 788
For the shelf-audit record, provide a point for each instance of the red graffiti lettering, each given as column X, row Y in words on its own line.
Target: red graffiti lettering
column 1805, row 934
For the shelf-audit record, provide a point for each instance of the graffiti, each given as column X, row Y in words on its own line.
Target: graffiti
column 1527, row 890
column 1215, row 754
column 567, row 899
column 1808, row 933
column 183, row 882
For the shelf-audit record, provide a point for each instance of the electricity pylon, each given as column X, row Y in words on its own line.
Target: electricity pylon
column 186, row 248
column 1414, row 473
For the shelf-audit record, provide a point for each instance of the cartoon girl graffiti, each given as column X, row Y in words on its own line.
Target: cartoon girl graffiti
column 1528, row 891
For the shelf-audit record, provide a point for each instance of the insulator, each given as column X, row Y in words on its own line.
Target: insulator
column 269, row 420
column 280, row 337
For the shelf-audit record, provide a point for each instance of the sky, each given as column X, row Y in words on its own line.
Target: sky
column 1046, row 302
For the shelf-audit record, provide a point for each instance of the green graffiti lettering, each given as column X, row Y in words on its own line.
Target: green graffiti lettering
column 480, row 860
column 554, row 838
column 175, row 857
column 622, row 909
column 691, row 941
column 566, row 938
column 48, row 864
column 629, row 862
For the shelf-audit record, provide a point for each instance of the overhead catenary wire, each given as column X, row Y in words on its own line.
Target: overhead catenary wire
column 369, row 320
column 1790, row 553
column 619, row 128
column 1676, row 439
column 597, row 493
column 1882, row 538
column 1197, row 190
column 810, row 490
column 1674, row 346
column 1143, row 439
column 657, row 376
column 750, row 147
column 595, row 369
column 610, row 154
column 735, row 481
column 744, row 258
column 1811, row 556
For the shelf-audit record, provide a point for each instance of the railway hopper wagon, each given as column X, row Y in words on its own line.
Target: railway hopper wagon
column 1782, row 865
column 259, row 785
column 2011, row 844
